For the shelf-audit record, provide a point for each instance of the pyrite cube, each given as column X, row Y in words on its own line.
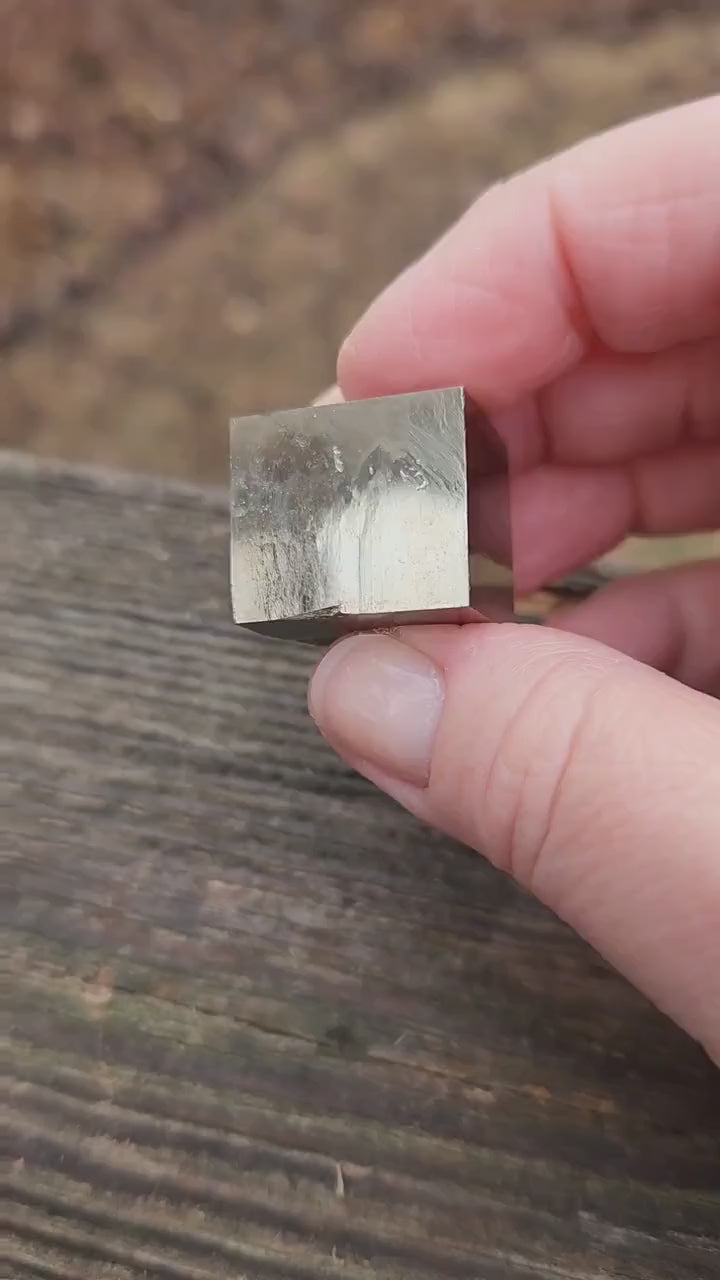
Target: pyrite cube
column 369, row 514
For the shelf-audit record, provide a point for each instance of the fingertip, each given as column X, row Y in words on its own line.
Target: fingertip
column 380, row 354
column 616, row 239
column 378, row 701
column 486, row 307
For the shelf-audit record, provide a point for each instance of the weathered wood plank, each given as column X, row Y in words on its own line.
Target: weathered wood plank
column 263, row 1025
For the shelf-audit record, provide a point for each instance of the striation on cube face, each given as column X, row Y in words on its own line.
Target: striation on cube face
column 370, row 513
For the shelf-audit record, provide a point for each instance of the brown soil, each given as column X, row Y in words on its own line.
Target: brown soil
column 198, row 196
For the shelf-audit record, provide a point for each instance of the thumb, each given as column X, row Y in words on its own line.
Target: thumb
column 591, row 778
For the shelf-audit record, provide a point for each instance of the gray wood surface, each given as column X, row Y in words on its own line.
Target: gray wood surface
column 262, row 1024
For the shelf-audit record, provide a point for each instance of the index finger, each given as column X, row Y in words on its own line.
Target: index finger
column 616, row 242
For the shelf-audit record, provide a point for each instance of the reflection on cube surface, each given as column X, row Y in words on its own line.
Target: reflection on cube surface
column 362, row 514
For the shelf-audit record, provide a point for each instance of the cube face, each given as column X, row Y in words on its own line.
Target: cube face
column 350, row 515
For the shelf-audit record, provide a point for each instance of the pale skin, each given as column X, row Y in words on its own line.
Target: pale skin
column 580, row 303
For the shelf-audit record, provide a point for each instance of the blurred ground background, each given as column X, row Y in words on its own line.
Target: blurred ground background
column 197, row 197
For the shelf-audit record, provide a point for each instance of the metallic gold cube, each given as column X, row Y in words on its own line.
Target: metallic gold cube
column 369, row 514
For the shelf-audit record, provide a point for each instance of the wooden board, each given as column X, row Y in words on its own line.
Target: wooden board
column 262, row 1024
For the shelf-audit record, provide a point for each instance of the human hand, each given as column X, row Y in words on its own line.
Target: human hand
column 580, row 304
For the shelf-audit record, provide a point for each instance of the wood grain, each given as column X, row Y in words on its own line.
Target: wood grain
column 261, row 1024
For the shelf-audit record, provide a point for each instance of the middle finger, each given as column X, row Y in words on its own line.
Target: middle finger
column 563, row 517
